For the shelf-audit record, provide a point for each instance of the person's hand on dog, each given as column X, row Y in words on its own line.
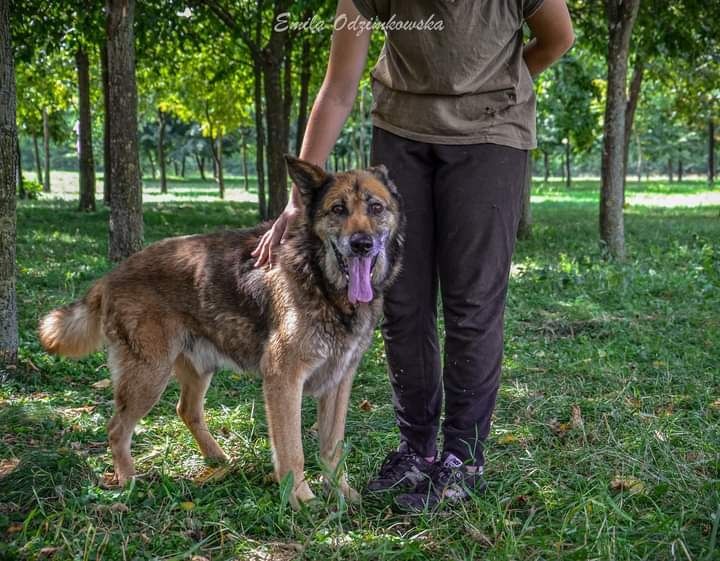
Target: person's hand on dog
column 263, row 253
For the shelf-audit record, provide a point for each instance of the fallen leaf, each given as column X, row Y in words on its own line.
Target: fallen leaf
column 79, row 410
column 630, row 484
column 199, row 558
column 119, row 507
column 48, row 551
column 102, row 384
column 187, row 505
column 715, row 405
column 477, row 536
column 508, row 438
column 211, row 474
column 7, row 466
column 660, row 436
column 576, row 420
column 366, row 406
column 558, row 428
column 14, row 528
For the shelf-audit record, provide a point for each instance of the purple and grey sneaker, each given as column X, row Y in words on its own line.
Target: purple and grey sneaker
column 448, row 481
column 400, row 471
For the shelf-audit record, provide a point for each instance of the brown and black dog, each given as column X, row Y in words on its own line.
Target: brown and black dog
column 190, row 305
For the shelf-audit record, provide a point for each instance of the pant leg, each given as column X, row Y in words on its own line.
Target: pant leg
column 477, row 194
column 410, row 311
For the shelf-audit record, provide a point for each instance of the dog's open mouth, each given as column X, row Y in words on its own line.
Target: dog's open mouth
column 358, row 272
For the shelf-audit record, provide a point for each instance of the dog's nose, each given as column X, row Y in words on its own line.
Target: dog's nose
column 361, row 244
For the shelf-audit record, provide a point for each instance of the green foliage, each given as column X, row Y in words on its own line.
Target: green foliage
column 32, row 189
column 631, row 475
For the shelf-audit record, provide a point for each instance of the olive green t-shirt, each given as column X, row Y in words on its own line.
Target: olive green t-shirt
column 466, row 83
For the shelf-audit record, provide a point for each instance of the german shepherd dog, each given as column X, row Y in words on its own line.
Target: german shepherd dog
column 189, row 305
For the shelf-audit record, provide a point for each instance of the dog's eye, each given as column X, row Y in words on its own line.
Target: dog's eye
column 338, row 209
column 376, row 208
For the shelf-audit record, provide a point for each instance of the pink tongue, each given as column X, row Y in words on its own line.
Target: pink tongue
column 359, row 287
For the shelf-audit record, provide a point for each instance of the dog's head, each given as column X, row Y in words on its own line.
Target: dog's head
column 357, row 216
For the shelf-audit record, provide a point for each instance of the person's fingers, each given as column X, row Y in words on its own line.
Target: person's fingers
column 277, row 234
column 259, row 246
column 261, row 252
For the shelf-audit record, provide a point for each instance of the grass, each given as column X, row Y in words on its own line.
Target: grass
column 605, row 443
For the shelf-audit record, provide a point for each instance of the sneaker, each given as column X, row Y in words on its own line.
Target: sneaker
column 401, row 471
column 447, row 481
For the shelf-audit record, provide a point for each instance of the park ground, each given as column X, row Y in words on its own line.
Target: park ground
column 605, row 443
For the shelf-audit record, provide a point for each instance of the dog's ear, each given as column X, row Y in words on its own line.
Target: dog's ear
column 308, row 177
column 381, row 172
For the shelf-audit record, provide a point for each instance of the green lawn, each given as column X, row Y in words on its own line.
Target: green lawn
column 606, row 440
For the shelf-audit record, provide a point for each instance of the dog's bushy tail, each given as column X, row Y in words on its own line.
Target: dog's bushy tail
column 74, row 331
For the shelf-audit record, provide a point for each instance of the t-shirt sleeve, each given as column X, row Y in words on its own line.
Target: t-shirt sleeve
column 367, row 8
column 529, row 7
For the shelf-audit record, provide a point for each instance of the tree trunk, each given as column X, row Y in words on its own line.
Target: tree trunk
column 161, row 151
column 182, row 167
column 711, row 152
column 568, row 176
column 305, row 74
column 38, row 164
column 22, row 194
column 218, row 155
column 153, row 171
column 639, row 160
column 85, row 153
column 246, row 179
column 107, row 177
column 126, row 219
column 679, row 170
column 260, row 136
column 546, row 163
column 630, row 108
column 276, row 115
column 46, row 147
column 200, row 161
column 175, row 168
column 621, row 15
column 525, row 225
column 670, row 170
column 8, row 173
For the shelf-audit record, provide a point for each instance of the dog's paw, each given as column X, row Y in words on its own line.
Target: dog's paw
column 301, row 495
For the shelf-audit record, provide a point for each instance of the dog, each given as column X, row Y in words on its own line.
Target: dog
column 187, row 306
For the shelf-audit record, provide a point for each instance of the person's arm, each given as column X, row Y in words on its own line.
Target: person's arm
column 348, row 54
column 552, row 35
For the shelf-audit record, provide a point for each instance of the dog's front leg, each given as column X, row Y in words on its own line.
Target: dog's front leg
column 283, row 400
column 332, row 412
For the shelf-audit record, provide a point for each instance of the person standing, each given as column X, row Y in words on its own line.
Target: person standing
column 453, row 120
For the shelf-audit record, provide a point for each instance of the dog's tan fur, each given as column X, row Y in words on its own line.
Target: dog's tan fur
column 187, row 306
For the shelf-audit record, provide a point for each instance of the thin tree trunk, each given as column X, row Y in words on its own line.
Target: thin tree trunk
column 568, row 177
column 630, row 108
column 259, row 116
column 200, row 161
column 107, row 177
column 711, row 152
column 276, row 115
column 22, row 194
column 670, row 170
column 546, row 162
column 621, row 16
column 175, row 168
column 679, row 170
column 305, row 70
column 38, row 164
column 126, row 219
column 85, row 153
column 217, row 159
column 8, row 174
column 525, row 225
column 182, row 166
column 153, row 171
column 46, row 147
column 639, row 159
column 246, row 179
column 161, row 152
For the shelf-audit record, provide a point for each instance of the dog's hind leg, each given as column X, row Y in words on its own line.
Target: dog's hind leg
column 138, row 385
column 332, row 413
column 283, row 400
column 191, row 410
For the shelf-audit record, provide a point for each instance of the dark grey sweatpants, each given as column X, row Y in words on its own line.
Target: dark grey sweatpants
column 463, row 205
